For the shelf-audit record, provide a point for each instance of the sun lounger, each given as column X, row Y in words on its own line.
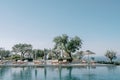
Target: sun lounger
column 64, row 62
column 37, row 62
column 14, row 62
column 20, row 62
column 54, row 62
column 84, row 62
column 92, row 62
column 1, row 62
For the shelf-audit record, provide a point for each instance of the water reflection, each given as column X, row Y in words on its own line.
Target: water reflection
column 23, row 74
column 59, row 73
column 112, row 68
column 89, row 76
column 3, row 71
column 69, row 76
column 30, row 73
column 45, row 73
column 35, row 73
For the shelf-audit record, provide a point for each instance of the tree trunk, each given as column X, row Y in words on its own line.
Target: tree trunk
column 110, row 60
column 22, row 56
column 70, row 57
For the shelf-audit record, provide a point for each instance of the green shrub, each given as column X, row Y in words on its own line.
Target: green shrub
column 16, row 57
column 29, row 59
column 60, row 59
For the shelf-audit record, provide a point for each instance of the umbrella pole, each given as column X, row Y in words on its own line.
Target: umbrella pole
column 88, row 61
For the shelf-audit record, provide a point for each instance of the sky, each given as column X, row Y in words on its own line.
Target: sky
column 37, row 22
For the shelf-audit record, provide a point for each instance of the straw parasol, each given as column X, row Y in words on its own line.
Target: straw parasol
column 88, row 52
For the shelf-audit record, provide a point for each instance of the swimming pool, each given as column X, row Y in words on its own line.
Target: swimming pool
column 60, row 73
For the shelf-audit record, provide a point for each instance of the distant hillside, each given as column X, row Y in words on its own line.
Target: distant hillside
column 102, row 58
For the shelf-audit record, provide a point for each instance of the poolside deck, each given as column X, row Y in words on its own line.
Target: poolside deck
column 52, row 65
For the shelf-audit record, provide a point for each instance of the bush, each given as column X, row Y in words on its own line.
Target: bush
column 16, row 56
column 104, row 62
column 68, row 59
column 49, row 58
column 60, row 59
column 29, row 59
column 117, row 63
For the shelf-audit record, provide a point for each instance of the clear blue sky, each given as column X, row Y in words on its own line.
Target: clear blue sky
column 96, row 22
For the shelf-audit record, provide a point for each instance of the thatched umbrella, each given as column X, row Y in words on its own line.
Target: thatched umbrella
column 88, row 52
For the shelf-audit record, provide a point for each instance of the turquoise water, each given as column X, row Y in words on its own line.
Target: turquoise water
column 59, row 73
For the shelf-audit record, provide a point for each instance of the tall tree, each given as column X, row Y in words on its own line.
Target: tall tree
column 79, row 54
column 22, row 49
column 67, row 44
column 111, row 55
column 4, row 53
column 56, row 53
column 38, row 53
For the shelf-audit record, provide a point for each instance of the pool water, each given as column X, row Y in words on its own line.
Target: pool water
column 59, row 73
